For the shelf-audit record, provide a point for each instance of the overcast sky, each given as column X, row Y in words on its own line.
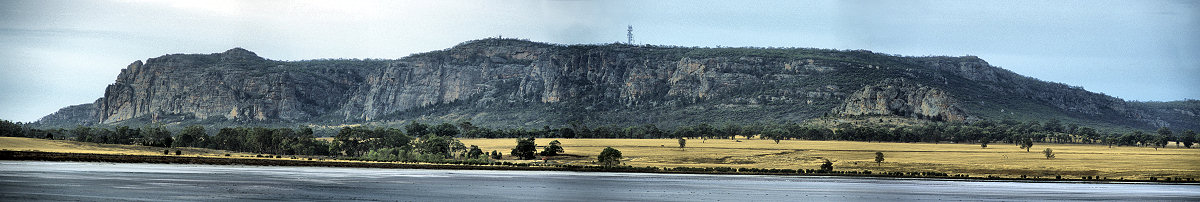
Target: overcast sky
column 57, row 53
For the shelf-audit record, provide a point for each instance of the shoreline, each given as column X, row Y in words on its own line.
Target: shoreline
column 113, row 158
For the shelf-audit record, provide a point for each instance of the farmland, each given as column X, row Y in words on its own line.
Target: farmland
column 1000, row 160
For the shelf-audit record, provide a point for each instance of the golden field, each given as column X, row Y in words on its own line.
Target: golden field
column 65, row 146
column 999, row 159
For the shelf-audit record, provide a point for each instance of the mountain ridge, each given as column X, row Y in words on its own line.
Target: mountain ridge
column 507, row 82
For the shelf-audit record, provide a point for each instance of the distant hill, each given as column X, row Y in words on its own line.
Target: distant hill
column 517, row 83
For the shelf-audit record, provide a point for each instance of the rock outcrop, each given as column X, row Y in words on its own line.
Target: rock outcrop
column 74, row 115
column 234, row 85
column 899, row 97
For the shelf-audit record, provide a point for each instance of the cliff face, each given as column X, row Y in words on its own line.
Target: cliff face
column 504, row 82
column 576, row 79
column 71, row 116
column 902, row 98
column 235, row 85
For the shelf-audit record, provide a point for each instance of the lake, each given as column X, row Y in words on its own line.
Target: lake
column 89, row 181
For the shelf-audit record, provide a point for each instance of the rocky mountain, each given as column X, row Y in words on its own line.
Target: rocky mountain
column 517, row 83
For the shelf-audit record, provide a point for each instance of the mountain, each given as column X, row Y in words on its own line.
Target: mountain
column 518, row 83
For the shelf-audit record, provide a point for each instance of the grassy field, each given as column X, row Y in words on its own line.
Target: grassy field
column 1001, row 160
column 64, row 146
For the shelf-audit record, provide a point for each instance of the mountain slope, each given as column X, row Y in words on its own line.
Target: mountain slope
column 515, row 83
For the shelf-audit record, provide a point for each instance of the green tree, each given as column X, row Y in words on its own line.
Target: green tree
column 983, row 143
column 438, row 145
column 878, row 158
column 1160, row 141
column 1164, row 135
column 729, row 130
column 83, row 134
column 776, row 134
column 1026, row 144
column 525, row 149
column 191, row 136
column 609, row 157
column 1164, row 131
column 474, row 152
column 566, row 132
column 445, row 130
column 124, row 135
column 261, row 140
column 352, row 140
column 1089, row 133
column 416, row 129
column 1049, row 153
column 227, row 139
column 1053, row 126
column 466, row 127
column 496, row 155
column 553, row 149
column 391, row 138
column 156, row 136
column 827, row 166
column 1188, row 138
column 682, row 143
column 1137, row 137
column 10, row 129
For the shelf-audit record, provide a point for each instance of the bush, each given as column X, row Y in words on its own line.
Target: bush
column 474, row 152
column 609, row 157
column 553, row 150
column 525, row 149
column 878, row 157
column 1049, row 153
column 496, row 155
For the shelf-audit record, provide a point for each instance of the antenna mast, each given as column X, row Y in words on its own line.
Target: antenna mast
column 630, row 34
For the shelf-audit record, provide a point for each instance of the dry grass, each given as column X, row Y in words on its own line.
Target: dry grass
column 64, row 146
column 998, row 159
column 1002, row 160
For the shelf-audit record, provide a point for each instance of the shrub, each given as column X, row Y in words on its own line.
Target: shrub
column 878, row 158
column 609, row 157
column 827, row 166
column 525, row 149
column 496, row 155
column 474, row 152
column 553, row 150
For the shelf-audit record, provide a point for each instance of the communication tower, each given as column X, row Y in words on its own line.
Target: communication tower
column 629, row 33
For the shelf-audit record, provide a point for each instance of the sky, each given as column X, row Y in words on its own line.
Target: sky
column 56, row 53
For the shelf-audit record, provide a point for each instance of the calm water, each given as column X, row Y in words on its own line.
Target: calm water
column 34, row 180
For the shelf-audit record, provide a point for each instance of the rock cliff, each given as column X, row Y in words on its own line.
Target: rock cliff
column 516, row 83
column 234, row 85
column 902, row 98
